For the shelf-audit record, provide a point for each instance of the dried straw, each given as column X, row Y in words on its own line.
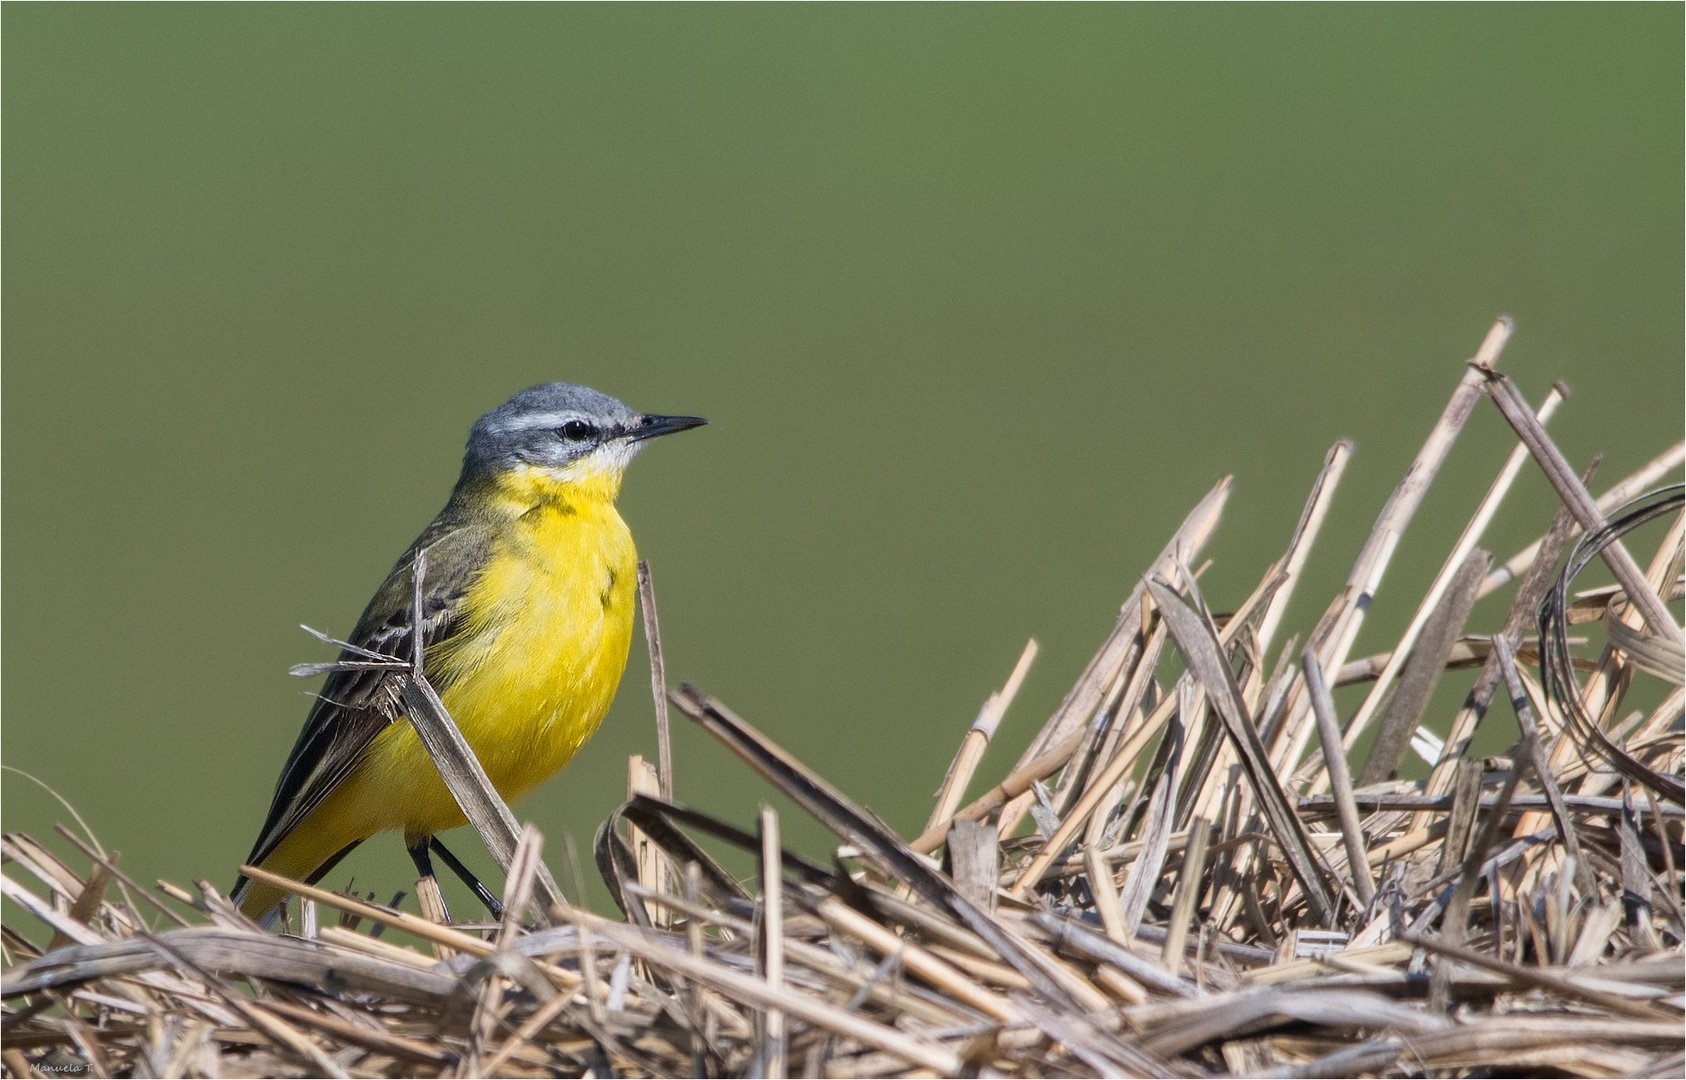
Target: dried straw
column 1190, row 904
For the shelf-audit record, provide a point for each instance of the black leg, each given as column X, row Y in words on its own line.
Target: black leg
column 428, row 892
column 326, row 868
column 467, row 876
column 418, row 854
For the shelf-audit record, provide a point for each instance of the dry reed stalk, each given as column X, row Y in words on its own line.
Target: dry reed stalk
column 1575, row 496
column 1422, row 673
column 772, row 937
column 1626, row 491
column 1336, row 631
column 1188, row 893
column 1305, row 533
column 643, row 779
column 1128, row 705
column 1184, row 547
column 1541, row 891
column 1522, row 613
column 1328, row 729
column 1122, row 761
column 1455, row 560
column 1316, row 511
column 1001, row 794
column 658, row 676
column 458, row 767
column 978, row 736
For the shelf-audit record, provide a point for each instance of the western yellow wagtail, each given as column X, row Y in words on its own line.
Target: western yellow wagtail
column 526, row 615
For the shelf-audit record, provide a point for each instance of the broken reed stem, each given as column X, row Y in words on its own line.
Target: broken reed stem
column 1422, row 673
column 398, row 920
column 772, row 935
column 1340, row 777
column 1127, row 717
column 877, row 963
column 1188, row 892
column 1316, row 511
column 977, row 740
column 1628, row 489
column 1466, row 543
column 1523, row 613
column 1207, row 660
column 1338, row 629
column 458, row 767
column 1575, row 496
column 758, row 993
column 1542, row 766
column 1010, row 788
column 1402, row 505
column 1121, row 763
column 468, row 782
column 658, row 677
column 1075, row 712
column 1105, row 891
column 1535, row 977
column 1155, row 834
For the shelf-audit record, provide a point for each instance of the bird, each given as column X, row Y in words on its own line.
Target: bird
column 528, row 589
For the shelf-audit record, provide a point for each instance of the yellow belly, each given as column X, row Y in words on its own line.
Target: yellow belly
column 528, row 680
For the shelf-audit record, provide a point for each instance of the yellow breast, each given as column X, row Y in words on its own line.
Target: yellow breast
column 528, row 678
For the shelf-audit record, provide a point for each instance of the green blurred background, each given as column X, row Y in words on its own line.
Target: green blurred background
column 980, row 300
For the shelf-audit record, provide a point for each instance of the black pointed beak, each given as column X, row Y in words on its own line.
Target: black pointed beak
column 650, row 425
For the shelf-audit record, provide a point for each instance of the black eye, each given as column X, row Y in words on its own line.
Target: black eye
column 577, row 430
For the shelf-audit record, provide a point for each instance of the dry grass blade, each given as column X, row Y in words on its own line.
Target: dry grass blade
column 1340, row 778
column 658, row 676
column 1575, row 496
column 854, row 825
column 1263, row 928
column 1204, row 656
column 1422, row 673
column 977, row 740
column 1114, row 655
column 1523, row 612
column 1625, row 491
column 757, row 992
column 458, row 767
column 1455, row 564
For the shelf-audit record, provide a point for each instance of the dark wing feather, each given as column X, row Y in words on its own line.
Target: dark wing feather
column 355, row 706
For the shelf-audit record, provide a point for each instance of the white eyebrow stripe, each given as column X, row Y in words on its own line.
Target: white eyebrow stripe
column 530, row 421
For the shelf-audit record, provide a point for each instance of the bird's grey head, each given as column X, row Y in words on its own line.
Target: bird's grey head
column 563, row 429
